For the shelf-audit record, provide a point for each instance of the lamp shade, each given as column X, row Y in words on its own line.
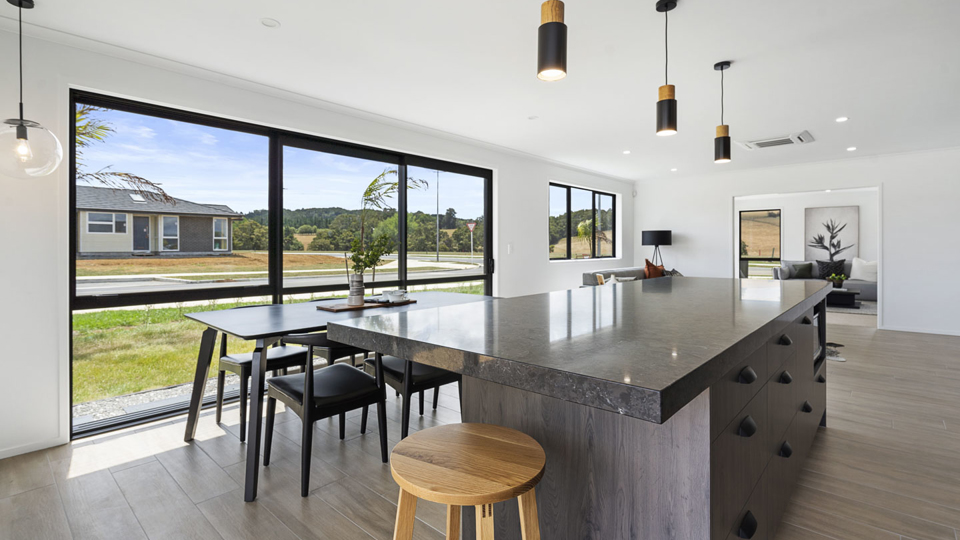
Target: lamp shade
column 657, row 238
column 28, row 150
column 552, row 42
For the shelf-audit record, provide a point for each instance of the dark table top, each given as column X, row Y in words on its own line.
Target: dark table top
column 644, row 349
column 283, row 319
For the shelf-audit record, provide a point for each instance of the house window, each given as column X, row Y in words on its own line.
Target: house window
column 582, row 223
column 103, row 223
column 220, row 234
column 759, row 243
column 171, row 233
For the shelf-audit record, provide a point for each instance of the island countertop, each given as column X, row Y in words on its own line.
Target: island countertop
column 643, row 349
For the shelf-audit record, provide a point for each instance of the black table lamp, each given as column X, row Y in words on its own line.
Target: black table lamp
column 657, row 239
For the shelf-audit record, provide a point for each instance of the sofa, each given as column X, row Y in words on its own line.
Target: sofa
column 868, row 289
column 590, row 278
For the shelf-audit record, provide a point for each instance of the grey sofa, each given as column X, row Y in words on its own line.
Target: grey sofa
column 590, row 278
column 868, row 289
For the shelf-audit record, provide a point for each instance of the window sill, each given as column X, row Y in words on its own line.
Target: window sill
column 600, row 259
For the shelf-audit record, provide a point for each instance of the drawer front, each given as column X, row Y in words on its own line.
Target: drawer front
column 781, row 476
column 782, row 345
column 753, row 520
column 812, row 407
column 807, row 338
column 737, row 460
column 783, row 402
column 734, row 390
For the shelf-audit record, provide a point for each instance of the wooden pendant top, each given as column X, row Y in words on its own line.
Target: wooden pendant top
column 723, row 131
column 467, row 464
column 551, row 11
column 668, row 91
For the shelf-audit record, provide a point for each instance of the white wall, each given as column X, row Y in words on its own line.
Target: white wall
column 34, row 214
column 919, row 225
column 793, row 212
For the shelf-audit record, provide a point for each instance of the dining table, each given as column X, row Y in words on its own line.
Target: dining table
column 268, row 324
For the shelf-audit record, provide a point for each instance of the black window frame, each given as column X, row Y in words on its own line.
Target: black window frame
column 274, row 288
column 593, row 236
column 740, row 256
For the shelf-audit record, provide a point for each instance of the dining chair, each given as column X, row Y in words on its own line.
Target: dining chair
column 409, row 378
column 318, row 394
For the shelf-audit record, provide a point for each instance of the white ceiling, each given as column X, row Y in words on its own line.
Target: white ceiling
column 469, row 68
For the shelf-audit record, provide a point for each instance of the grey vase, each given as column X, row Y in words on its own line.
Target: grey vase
column 356, row 290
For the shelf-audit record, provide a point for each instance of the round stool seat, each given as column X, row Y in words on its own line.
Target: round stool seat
column 467, row 464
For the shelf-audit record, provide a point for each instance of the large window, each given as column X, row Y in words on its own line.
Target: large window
column 759, row 243
column 248, row 215
column 582, row 223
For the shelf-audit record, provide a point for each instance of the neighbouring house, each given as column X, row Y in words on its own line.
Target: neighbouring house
column 123, row 223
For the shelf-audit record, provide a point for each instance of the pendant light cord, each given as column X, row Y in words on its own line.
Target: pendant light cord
column 721, row 96
column 666, row 48
column 20, row 26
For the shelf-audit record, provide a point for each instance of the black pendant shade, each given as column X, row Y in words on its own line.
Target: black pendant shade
column 552, row 42
column 667, row 103
column 721, row 144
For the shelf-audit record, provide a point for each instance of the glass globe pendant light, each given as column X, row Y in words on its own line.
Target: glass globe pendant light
column 27, row 149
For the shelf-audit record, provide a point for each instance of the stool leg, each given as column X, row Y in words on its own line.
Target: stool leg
column 453, row 522
column 529, row 522
column 436, row 397
column 485, row 522
column 343, row 425
column 363, row 419
column 406, row 516
column 421, row 403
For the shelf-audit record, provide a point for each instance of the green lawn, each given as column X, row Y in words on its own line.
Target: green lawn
column 125, row 351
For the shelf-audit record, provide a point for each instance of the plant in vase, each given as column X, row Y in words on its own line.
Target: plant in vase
column 837, row 280
column 366, row 258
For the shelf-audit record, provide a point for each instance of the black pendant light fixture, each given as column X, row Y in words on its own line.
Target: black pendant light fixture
column 27, row 150
column 552, row 42
column 667, row 105
column 721, row 145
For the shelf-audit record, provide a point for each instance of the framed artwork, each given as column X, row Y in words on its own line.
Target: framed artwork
column 831, row 233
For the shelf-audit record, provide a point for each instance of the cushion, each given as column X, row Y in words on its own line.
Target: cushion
column 277, row 357
column 673, row 273
column 863, row 270
column 801, row 271
column 423, row 375
column 828, row 268
column 651, row 271
column 333, row 385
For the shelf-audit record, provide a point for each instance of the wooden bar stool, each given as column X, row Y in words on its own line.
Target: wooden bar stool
column 467, row 465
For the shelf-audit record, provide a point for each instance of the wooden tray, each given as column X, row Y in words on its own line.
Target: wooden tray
column 337, row 308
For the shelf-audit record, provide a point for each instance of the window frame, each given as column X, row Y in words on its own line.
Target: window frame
column 112, row 222
column 594, row 195
column 226, row 233
column 163, row 232
column 740, row 236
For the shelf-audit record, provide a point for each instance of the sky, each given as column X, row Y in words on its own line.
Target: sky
column 217, row 166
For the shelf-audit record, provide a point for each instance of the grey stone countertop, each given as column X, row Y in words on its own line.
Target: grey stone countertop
column 643, row 349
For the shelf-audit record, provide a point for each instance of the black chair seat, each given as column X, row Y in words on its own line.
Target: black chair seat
column 337, row 350
column 338, row 383
column 277, row 357
column 423, row 375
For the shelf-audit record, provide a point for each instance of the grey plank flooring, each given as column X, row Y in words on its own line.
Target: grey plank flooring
column 887, row 466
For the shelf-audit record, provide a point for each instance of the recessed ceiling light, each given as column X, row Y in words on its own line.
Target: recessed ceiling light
column 852, row 149
column 827, row 190
column 532, row 117
column 842, row 119
column 673, row 170
column 626, row 152
column 270, row 23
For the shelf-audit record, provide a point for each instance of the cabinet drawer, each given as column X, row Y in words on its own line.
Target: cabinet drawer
column 807, row 336
column 737, row 459
column 783, row 401
column 735, row 389
column 781, row 476
column 812, row 407
column 753, row 520
column 782, row 345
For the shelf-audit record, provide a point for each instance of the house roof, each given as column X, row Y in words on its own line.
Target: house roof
column 109, row 199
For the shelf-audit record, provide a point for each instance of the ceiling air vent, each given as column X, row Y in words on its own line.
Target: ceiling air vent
column 803, row 137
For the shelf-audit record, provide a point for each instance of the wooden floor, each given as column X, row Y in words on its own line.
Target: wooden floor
column 887, row 467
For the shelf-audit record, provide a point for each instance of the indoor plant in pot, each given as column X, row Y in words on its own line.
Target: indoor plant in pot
column 837, row 280
column 364, row 258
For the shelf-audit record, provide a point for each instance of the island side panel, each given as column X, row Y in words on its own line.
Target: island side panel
column 608, row 475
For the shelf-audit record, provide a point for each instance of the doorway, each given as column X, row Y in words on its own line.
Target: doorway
column 141, row 233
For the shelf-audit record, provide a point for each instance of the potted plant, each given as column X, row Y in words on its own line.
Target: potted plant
column 837, row 280
column 364, row 258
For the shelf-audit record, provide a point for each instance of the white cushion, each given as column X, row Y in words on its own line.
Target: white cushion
column 863, row 270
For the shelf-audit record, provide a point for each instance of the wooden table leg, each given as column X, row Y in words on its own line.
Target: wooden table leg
column 485, row 522
column 406, row 516
column 204, row 357
column 529, row 522
column 453, row 522
column 258, row 374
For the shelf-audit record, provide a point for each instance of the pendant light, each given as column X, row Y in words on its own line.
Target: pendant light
column 721, row 145
column 667, row 105
column 552, row 42
column 27, row 149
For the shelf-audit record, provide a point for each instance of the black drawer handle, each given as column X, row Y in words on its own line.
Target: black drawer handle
column 821, row 379
column 786, row 377
column 748, row 526
column 747, row 376
column 748, row 428
column 785, row 341
column 807, row 407
column 806, row 320
column 786, row 450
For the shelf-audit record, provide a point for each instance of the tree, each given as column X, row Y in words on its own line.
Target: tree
column 249, row 236
column 91, row 130
column 449, row 219
column 307, row 229
column 321, row 242
column 290, row 242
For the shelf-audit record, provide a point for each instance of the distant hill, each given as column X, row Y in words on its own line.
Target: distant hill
column 318, row 217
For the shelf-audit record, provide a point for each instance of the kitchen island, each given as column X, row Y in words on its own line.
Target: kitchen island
column 668, row 408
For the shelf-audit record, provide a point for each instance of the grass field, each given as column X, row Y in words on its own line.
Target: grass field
column 761, row 233
column 238, row 262
column 581, row 248
column 125, row 351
